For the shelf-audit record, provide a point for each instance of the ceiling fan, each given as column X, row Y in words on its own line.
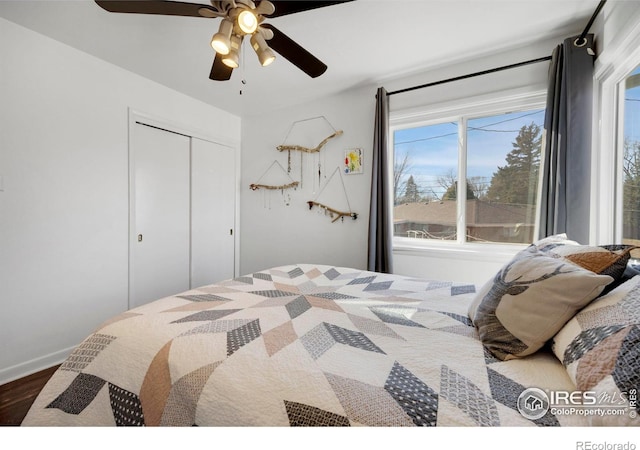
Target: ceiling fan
column 240, row 19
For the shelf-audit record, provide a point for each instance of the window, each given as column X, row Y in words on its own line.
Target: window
column 495, row 153
column 631, row 159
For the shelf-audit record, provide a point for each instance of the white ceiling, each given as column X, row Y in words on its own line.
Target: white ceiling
column 363, row 42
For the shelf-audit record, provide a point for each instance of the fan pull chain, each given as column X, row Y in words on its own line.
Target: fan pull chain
column 244, row 81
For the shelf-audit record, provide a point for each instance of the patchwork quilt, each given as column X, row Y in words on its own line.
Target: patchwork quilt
column 299, row 345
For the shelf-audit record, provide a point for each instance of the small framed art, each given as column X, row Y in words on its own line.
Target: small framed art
column 352, row 161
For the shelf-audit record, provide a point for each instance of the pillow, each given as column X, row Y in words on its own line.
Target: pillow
column 553, row 241
column 609, row 260
column 600, row 349
column 529, row 301
column 605, row 259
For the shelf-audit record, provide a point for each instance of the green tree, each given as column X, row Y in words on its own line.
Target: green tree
column 517, row 181
column 631, row 189
column 411, row 191
column 452, row 192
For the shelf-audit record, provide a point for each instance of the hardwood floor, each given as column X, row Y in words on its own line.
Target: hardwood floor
column 17, row 396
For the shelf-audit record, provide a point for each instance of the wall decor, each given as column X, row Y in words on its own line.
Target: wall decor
column 309, row 137
column 316, row 149
column 353, row 161
column 279, row 181
column 333, row 212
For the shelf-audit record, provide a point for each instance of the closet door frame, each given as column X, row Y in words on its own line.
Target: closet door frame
column 134, row 117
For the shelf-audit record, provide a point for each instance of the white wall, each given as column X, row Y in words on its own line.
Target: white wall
column 294, row 234
column 64, row 203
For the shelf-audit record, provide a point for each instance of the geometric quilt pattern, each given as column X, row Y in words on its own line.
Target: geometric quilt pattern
column 296, row 345
column 79, row 394
column 418, row 400
column 460, row 391
column 86, row 352
column 301, row 415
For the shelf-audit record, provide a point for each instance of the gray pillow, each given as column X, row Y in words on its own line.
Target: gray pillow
column 529, row 300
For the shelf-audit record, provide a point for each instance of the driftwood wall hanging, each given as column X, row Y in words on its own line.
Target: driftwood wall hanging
column 312, row 163
column 277, row 180
column 332, row 211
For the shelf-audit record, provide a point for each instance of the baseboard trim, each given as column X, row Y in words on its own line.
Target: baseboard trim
column 35, row 365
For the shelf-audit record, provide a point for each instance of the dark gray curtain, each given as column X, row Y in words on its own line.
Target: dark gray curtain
column 380, row 227
column 566, row 171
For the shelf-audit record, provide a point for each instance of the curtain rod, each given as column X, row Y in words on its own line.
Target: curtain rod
column 593, row 17
column 462, row 77
column 510, row 66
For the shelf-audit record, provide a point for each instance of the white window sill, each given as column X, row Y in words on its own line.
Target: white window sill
column 491, row 252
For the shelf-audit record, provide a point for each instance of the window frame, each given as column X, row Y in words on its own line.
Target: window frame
column 612, row 67
column 460, row 111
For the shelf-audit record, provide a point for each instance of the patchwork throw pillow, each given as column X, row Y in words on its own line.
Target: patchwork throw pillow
column 529, row 300
column 600, row 348
column 605, row 259
column 609, row 260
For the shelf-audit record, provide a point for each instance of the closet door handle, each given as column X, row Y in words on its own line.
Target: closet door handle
column 139, row 238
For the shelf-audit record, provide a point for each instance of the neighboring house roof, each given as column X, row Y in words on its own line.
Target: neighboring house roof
column 479, row 213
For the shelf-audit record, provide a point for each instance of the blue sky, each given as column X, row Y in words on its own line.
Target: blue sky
column 632, row 111
column 433, row 149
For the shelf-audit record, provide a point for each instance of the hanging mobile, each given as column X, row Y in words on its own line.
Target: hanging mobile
column 302, row 149
column 332, row 212
column 274, row 187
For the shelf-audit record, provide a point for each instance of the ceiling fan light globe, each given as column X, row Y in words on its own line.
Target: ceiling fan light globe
column 221, row 41
column 266, row 57
column 265, row 54
column 230, row 62
column 247, row 21
column 220, row 44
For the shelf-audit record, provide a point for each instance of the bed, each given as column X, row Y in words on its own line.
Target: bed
column 317, row 345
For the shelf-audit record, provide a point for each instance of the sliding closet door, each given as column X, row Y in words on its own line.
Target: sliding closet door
column 212, row 212
column 160, row 214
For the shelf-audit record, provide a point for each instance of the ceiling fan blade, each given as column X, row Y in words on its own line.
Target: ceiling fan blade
column 293, row 52
column 167, row 8
column 220, row 71
column 286, row 7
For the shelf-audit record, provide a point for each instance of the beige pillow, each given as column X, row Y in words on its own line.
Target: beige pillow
column 529, row 301
column 553, row 241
